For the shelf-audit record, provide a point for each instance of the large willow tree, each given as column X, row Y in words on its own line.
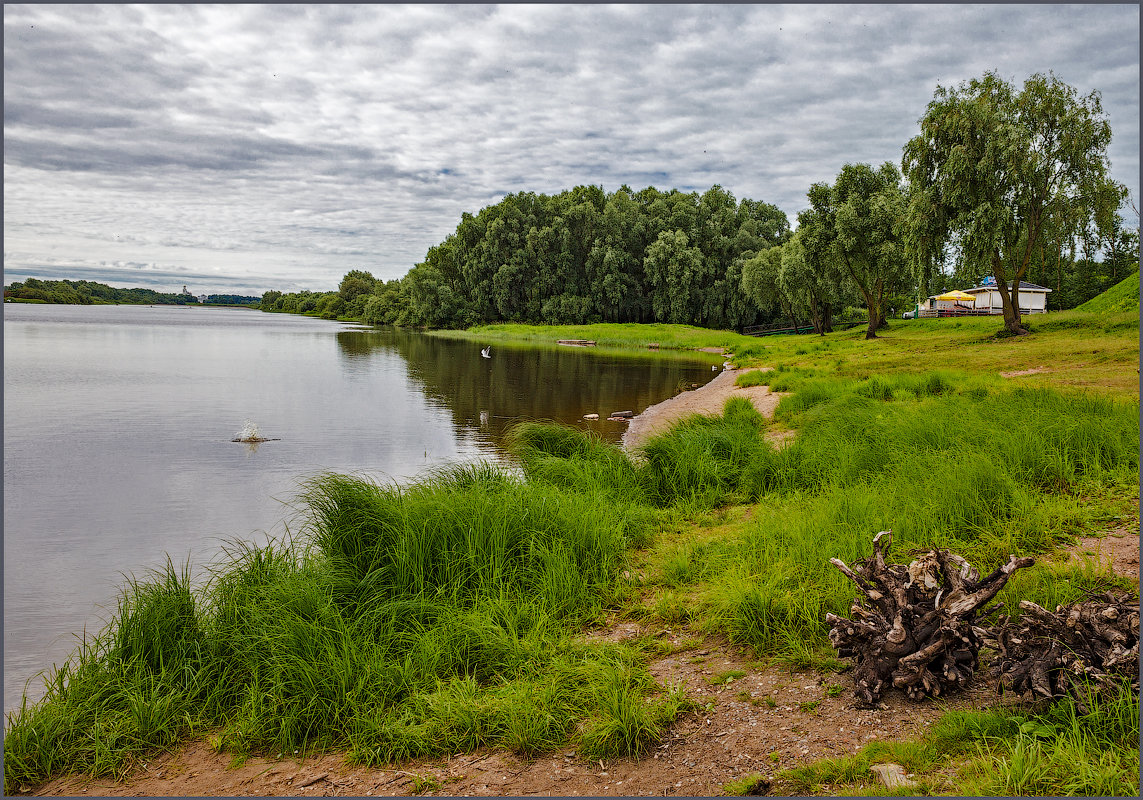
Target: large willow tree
column 996, row 171
column 851, row 231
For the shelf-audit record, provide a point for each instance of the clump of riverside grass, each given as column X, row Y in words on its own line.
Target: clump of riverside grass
column 708, row 461
column 439, row 616
column 404, row 622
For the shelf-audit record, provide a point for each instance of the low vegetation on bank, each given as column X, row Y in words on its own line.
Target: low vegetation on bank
column 658, row 336
column 447, row 614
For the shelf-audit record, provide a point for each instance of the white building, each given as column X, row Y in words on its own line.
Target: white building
column 1033, row 299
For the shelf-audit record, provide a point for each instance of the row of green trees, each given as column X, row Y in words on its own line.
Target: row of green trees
column 579, row 256
column 86, row 293
column 1012, row 184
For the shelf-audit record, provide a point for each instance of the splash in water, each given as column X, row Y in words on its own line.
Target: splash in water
column 250, row 434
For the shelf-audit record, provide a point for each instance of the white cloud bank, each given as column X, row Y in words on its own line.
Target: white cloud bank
column 243, row 148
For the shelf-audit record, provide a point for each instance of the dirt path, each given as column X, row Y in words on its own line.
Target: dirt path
column 1119, row 549
column 708, row 399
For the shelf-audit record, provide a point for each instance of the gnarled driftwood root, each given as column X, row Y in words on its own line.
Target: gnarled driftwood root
column 1052, row 654
column 917, row 629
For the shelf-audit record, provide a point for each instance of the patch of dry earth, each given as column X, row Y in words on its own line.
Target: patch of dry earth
column 1118, row 548
column 709, row 399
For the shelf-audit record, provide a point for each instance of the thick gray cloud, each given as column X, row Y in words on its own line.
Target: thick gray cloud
column 255, row 147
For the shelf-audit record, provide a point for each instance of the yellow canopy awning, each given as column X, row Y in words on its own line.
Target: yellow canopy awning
column 957, row 295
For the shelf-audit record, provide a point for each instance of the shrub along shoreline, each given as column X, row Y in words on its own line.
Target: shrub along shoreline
column 443, row 615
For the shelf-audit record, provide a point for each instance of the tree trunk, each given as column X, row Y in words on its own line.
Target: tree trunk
column 873, row 302
column 815, row 316
column 1059, row 266
column 827, row 314
column 1008, row 301
column 874, row 319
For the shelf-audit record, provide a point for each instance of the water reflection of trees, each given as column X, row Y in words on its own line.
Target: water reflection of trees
column 526, row 382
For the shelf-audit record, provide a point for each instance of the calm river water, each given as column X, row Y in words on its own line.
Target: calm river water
column 118, row 423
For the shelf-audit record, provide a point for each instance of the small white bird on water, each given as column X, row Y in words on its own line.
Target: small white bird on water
column 487, row 352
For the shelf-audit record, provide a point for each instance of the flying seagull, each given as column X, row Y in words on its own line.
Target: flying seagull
column 487, row 352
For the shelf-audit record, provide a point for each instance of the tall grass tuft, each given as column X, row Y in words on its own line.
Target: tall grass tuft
column 158, row 628
column 704, row 462
column 453, row 541
column 574, row 460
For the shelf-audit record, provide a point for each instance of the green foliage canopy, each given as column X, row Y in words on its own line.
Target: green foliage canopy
column 995, row 171
column 852, row 232
column 578, row 257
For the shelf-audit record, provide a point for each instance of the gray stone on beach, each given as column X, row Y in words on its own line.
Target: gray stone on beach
column 892, row 775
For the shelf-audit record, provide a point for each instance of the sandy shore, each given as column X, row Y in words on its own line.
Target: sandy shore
column 709, row 399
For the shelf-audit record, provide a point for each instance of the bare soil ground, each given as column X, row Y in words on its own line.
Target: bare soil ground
column 1119, row 548
column 767, row 719
column 709, row 399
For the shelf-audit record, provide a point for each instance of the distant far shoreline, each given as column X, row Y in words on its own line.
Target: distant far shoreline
column 87, row 293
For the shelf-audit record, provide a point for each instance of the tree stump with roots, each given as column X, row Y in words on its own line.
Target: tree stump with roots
column 1051, row 654
column 917, row 630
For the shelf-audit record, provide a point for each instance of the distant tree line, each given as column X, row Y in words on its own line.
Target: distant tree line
column 232, row 300
column 579, row 256
column 89, row 292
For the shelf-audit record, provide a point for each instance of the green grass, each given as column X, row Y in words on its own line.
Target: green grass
column 1123, row 296
column 1001, row 753
column 1098, row 353
column 726, row 676
column 667, row 337
column 752, row 377
column 704, row 462
column 752, row 784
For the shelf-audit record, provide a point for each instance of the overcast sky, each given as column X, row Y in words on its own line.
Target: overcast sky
column 245, row 148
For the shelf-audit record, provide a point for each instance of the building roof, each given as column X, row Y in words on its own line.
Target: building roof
column 1024, row 287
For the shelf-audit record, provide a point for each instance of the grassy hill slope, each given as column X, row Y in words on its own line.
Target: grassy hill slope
column 1123, row 296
